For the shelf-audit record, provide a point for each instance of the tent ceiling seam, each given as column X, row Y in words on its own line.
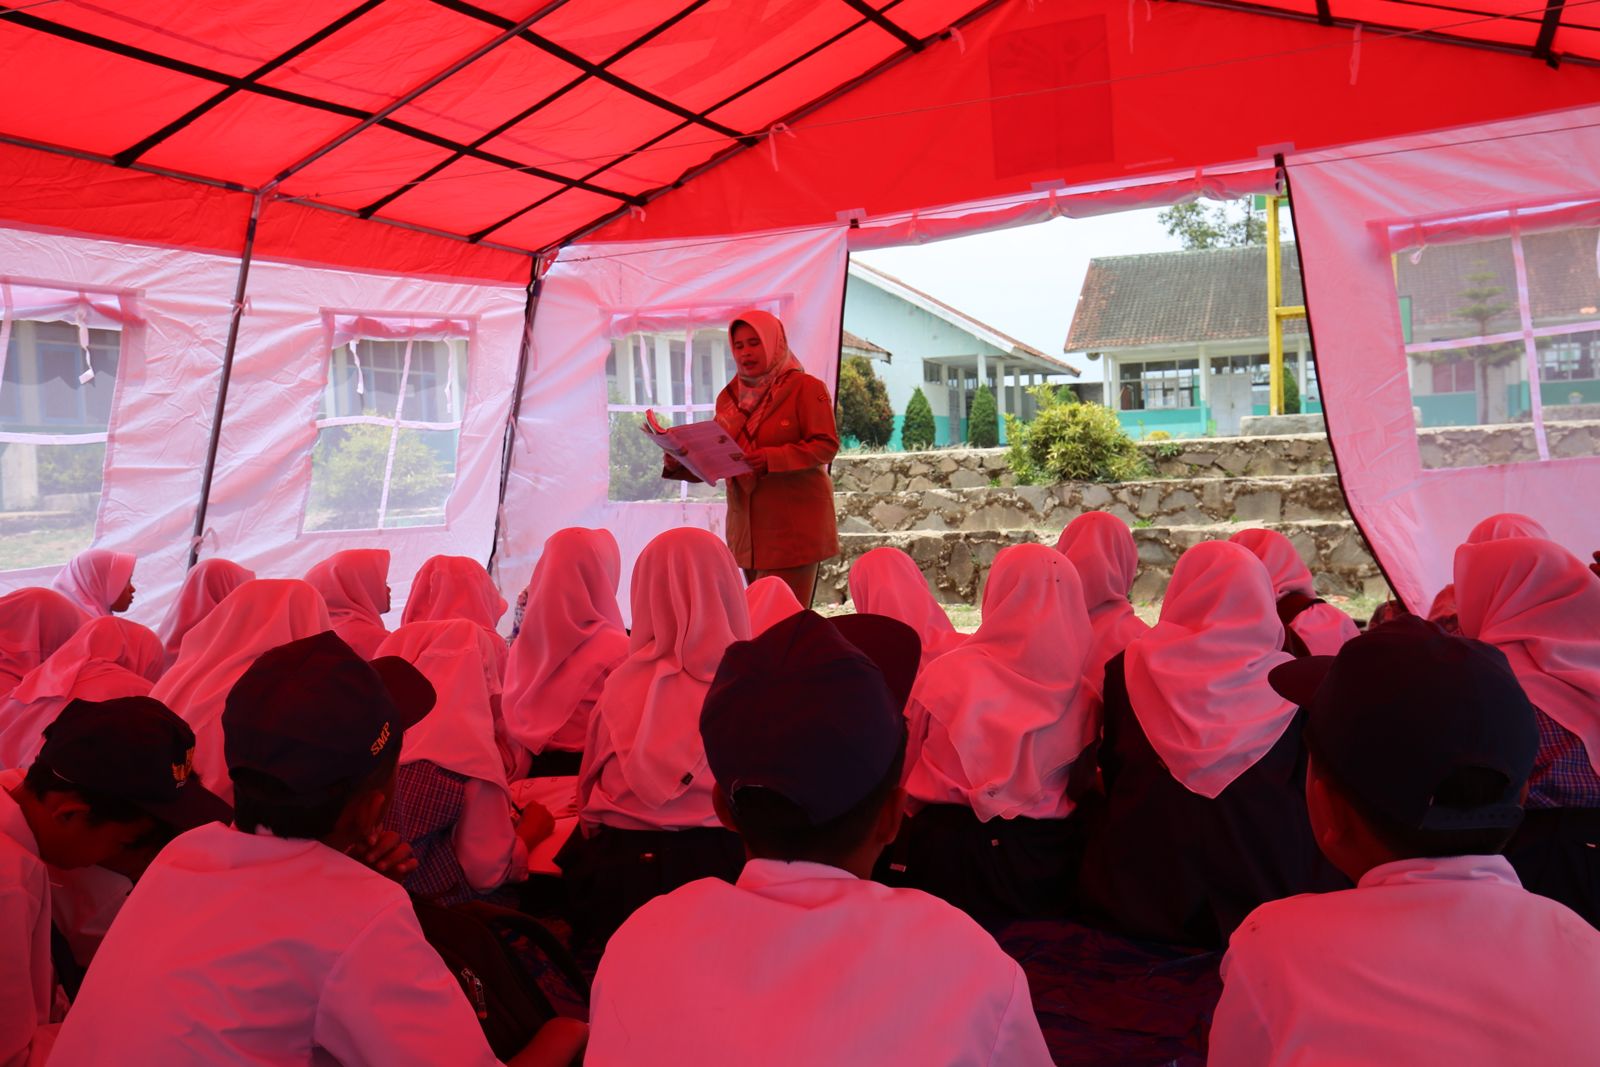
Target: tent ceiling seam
column 888, row 25
column 1543, row 48
column 128, row 155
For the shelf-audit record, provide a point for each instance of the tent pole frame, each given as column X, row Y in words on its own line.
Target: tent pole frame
column 509, row 444
column 239, row 290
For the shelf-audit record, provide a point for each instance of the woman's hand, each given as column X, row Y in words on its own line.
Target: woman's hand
column 388, row 854
column 757, row 460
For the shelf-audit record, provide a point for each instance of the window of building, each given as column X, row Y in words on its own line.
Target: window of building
column 60, row 357
column 1569, row 358
column 1171, row 383
column 387, row 434
column 675, row 373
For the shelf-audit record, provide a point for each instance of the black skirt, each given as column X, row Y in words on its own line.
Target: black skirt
column 610, row 875
column 1556, row 854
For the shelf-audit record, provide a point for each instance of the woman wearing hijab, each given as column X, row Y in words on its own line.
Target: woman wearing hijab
column 1100, row 547
column 1313, row 627
column 1538, row 604
column 886, row 581
column 1000, row 747
column 1203, row 764
column 1495, row 528
column 644, row 791
column 770, row 601
column 355, row 586
column 571, row 641
column 203, row 589
column 33, row 624
column 258, row 616
column 107, row 658
column 780, row 517
column 451, row 802
column 99, row 581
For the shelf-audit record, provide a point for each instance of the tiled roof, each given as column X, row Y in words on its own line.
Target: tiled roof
column 861, row 344
column 1562, row 282
column 1217, row 294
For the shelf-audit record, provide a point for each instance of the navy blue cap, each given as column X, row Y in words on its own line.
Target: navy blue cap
column 802, row 712
column 1403, row 707
column 889, row 643
column 137, row 750
column 312, row 714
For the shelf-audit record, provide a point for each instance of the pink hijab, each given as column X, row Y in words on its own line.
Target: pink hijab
column 1323, row 627
column 571, row 640
column 1539, row 604
column 95, row 579
column 688, row 607
column 34, row 623
column 770, row 601
column 259, row 615
column 203, row 589
column 455, row 587
column 1008, row 712
column 750, row 392
column 1101, row 549
column 1198, row 679
column 107, row 658
column 460, row 733
column 886, row 581
column 355, row 586
column 1494, row 528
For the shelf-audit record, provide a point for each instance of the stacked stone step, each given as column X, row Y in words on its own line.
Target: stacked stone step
column 953, row 510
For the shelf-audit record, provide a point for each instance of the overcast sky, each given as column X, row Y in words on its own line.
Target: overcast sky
column 1025, row 281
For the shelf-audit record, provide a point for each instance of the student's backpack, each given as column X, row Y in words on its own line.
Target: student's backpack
column 515, row 973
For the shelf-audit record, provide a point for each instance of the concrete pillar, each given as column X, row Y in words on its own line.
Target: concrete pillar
column 1205, row 376
column 1016, row 392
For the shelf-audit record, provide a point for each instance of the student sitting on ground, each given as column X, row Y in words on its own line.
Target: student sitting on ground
column 570, row 643
column 109, row 775
column 999, row 730
column 805, row 961
column 451, row 803
column 886, row 581
column 99, row 581
column 1312, row 626
column 203, row 589
column 1494, row 528
column 770, row 601
column 1204, row 771
column 271, row 941
column 354, row 584
column 1421, row 744
column 646, row 823
column 1100, row 547
column 33, row 624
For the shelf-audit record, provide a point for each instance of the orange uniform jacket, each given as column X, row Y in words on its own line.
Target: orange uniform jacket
column 784, row 518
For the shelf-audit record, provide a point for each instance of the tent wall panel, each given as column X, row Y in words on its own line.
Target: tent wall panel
column 560, row 471
column 1348, row 203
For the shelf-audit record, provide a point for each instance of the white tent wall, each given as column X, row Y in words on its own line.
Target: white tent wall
column 594, row 294
column 1369, row 214
column 166, row 391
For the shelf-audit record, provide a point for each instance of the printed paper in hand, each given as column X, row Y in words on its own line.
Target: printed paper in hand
column 705, row 448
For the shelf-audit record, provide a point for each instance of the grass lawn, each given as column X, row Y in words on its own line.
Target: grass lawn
column 40, row 548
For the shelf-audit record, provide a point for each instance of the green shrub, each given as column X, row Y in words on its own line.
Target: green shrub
column 917, row 431
column 983, row 424
column 635, row 462
column 863, row 405
column 348, row 466
column 1073, row 442
column 71, row 468
column 1291, row 392
column 1158, row 435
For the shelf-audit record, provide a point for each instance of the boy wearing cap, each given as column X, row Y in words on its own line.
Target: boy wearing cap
column 273, row 941
column 1421, row 744
column 804, row 960
column 109, row 776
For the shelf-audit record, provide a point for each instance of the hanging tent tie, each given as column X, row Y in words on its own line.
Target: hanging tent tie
column 394, row 433
column 82, row 321
column 1355, row 55
column 5, row 328
column 772, row 141
column 355, row 357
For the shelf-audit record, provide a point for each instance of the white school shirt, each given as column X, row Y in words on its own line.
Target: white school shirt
column 28, row 1004
column 244, row 949
column 1426, row 961
column 805, row 964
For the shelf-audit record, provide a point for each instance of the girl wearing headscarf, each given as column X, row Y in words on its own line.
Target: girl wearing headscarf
column 1538, row 604
column 1203, row 764
column 886, row 581
column 204, row 588
column 644, row 790
column 107, row 658
column 1313, row 627
column 451, row 800
column 259, row 615
column 354, row 584
column 770, row 601
column 1100, row 547
column 34, row 623
column 571, row 641
column 99, row 581
column 1507, row 524
column 998, row 756
column 780, row 517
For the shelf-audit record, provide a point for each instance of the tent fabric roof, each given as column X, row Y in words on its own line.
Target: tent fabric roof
column 1177, row 298
column 520, row 125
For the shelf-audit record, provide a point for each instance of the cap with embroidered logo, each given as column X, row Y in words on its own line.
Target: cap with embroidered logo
column 136, row 750
column 313, row 714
